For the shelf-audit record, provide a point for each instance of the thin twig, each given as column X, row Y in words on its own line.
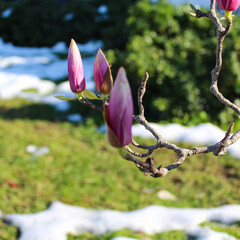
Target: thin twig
column 137, row 154
column 86, row 102
column 135, row 144
column 220, row 148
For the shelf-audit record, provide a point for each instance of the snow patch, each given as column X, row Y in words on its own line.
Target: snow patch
column 22, row 70
column 12, row 85
column 37, row 151
column 60, row 219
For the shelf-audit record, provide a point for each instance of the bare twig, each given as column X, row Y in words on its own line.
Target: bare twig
column 135, row 144
column 86, row 102
column 221, row 34
column 150, row 150
column 218, row 149
column 148, row 166
column 141, row 92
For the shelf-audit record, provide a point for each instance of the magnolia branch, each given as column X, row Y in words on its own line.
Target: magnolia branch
column 221, row 34
column 148, row 166
column 86, row 102
column 118, row 110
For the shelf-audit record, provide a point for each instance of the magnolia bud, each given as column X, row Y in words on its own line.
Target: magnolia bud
column 118, row 114
column 228, row 6
column 75, row 69
column 102, row 74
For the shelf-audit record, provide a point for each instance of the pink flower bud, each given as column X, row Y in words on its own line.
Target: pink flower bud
column 119, row 112
column 228, row 5
column 75, row 69
column 102, row 74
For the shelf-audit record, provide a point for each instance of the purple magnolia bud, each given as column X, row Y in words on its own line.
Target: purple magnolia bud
column 75, row 69
column 119, row 112
column 228, row 5
column 102, row 74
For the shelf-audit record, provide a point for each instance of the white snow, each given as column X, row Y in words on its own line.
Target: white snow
column 37, row 151
column 31, row 68
column 60, row 219
column 207, row 234
column 12, row 85
column 43, row 62
column 205, row 133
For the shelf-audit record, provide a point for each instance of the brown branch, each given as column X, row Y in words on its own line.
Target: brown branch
column 135, row 144
column 218, row 149
column 141, row 92
column 150, row 151
column 86, row 102
column 140, row 118
column 221, row 34
column 148, row 166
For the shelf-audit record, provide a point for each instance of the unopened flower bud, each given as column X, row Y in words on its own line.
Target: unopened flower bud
column 228, row 6
column 102, row 74
column 75, row 69
column 118, row 114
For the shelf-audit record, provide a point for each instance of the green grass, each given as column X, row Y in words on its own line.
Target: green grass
column 232, row 229
column 82, row 169
column 176, row 235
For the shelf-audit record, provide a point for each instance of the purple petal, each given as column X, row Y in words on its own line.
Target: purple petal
column 100, row 67
column 75, row 69
column 121, row 109
column 228, row 5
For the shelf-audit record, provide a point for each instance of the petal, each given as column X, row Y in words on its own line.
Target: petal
column 228, row 5
column 100, row 67
column 75, row 69
column 120, row 115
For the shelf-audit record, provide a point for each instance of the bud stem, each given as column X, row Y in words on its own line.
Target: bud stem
column 79, row 95
column 228, row 15
column 123, row 152
column 105, row 96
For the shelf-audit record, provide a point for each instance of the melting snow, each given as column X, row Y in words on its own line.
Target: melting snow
column 60, row 219
column 24, row 68
column 37, row 151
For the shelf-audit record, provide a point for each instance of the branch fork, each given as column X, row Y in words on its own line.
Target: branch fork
column 148, row 166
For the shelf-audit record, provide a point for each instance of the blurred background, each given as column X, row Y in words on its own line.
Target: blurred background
column 177, row 51
column 74, row 162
